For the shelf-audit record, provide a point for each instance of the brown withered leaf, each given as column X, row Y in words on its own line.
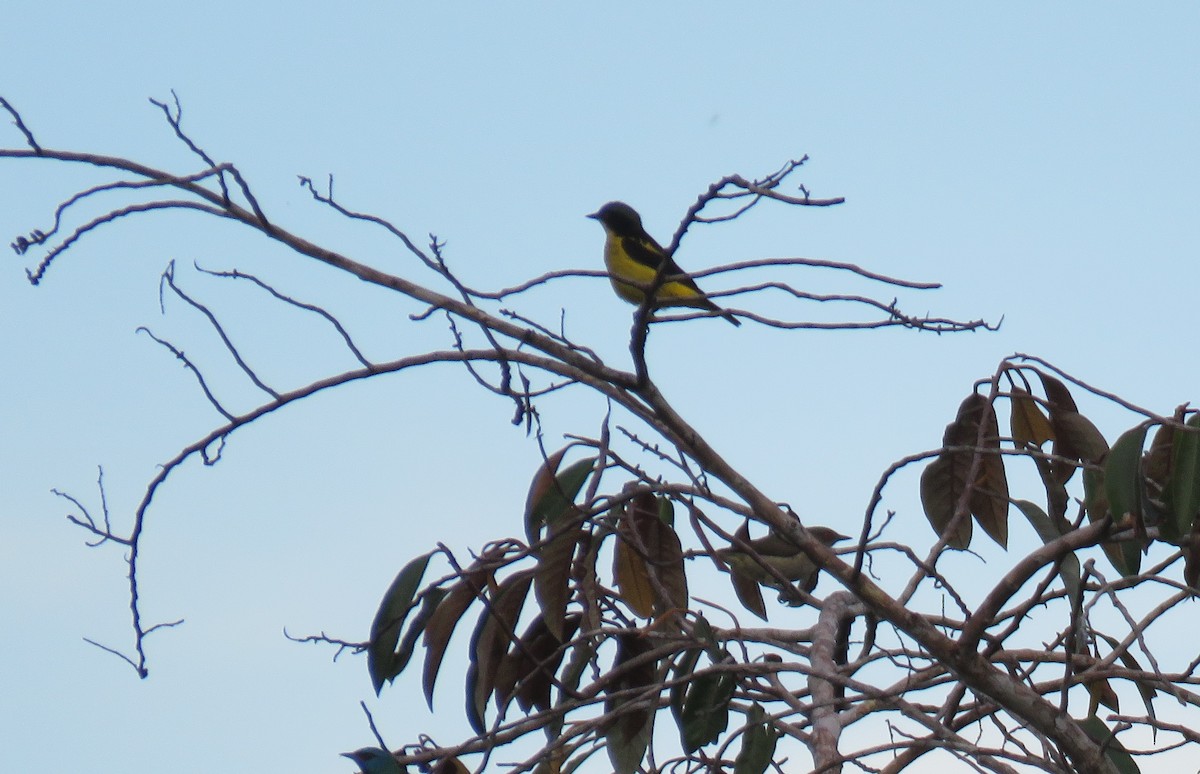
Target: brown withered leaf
column 648, row 559
column 988, row 500
column 444, row 620
column 494, row 633
column 1077, row 438
column 530, row 666
column 1057, row 395
column 1029, row 425
column 942, row 484
column 552, row 583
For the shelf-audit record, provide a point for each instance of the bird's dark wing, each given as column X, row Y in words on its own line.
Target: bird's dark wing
column 649, row 253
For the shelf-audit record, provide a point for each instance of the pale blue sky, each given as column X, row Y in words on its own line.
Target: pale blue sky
column 1038, row 159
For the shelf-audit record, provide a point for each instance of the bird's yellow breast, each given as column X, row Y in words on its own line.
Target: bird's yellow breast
column 622, row 267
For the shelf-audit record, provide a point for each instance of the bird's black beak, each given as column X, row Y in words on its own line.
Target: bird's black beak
column 594, row 216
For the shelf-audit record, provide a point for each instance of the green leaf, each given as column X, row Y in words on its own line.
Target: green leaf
column 1123, row 477
column 705, row 713
column 1049, row 531
column 398, row 601
column 758, row 743
column 552, row 498
column 628, row 734
column 1113, row 749
column 1125, row 556
column 1183, row 487
column 681, row 674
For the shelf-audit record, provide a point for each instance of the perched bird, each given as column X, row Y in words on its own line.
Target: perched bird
column 373, row 760
column 780, row 553
column 633, row 259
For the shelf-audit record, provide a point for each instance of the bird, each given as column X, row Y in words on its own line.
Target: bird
column 374, row 760
column 633, row 260
column 778, row 552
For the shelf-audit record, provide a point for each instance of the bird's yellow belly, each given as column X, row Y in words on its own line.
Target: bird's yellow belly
column 621, row 267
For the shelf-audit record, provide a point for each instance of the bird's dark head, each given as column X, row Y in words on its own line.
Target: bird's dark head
column 619, row 217
column 373, row 760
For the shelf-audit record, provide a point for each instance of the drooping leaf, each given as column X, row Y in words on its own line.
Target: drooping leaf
column 942, row 484
column 1113, row 749
column 398, row 601
column 527, row 671
column 1147, row 692
column 1125, row 556
column 758, row 743
column 681, row 673
column 1049, row 530
column 1183, row 487
column 628, row 733
column 633, row 578
column 705, row 713
column 1123, row 476
column 552, row 583
column 1077, row 438
column 429, row 604
column 444, row 620
column 948, row 479
column 494, row 633
column 989, row 494
column 551, row 497
column 1156, row 472
column 1029, row 425
column 648, row 559
column 749, row 593
column 1057, row 395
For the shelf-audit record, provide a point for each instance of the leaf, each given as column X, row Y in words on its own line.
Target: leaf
column 648, row 559
column 749, row 593
column 631, row 720
column 494, row 632
column 1057, row 395
column 551, row 497
column 989, row 494
column 1112, row 747
column 1156, row 472
column 530, row 666
column 633, row 578
column 1049, row 531
column 942, row 485
column 552, row 583
column 758, row 743
column 444, row 620
column 947, row 479
column 1029, row 425
column 705, row 713
column 1147, row 692
column 1125, row 556
column 681, row 674
column 1077, row 438
column 398, row 601
column 1183, row 487
column 1123, row 478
